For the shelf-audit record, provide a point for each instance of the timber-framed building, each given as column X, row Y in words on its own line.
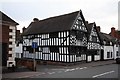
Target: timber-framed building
column 62, row 38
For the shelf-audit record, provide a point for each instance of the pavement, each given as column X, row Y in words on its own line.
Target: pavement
column 23, row 72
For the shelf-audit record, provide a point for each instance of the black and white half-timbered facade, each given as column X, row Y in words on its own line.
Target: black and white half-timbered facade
column 94, row 43
column 61, row 38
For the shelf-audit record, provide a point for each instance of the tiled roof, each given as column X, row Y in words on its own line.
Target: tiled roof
column 6, row 19
column 107, row 37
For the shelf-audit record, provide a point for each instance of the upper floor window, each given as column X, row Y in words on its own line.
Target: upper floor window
column 79, row 35
column 10, row 30
column 94, row 38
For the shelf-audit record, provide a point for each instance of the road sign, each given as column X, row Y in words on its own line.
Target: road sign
column 34, row 45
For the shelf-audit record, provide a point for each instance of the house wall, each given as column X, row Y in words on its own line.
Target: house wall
column 8, row 38
column 18, row 50
column 116, row 51
column 108, row 50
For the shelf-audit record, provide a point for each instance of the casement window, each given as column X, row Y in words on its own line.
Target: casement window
column 45, row 50
column 79, row 35
column 94, row 38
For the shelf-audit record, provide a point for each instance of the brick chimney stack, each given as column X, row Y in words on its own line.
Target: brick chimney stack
column 23, row 29
column 113, row 31
column 98, row 29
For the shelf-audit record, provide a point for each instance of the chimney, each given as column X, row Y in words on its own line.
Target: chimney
column 23, row 29
column 113, row 31
column 17, row 34
column 35, row 20
column 98, row 28
column 86, row 22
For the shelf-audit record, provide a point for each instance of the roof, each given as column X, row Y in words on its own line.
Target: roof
column 6, row 19
column 89, row 27
column 107, row 37
column 53, row 24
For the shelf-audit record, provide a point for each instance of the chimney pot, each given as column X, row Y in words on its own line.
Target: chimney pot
column 35, row 19
column 113, row 31
column 98, row 29
column 23, row 29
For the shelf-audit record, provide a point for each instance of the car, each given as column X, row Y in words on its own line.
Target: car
column 118, row 60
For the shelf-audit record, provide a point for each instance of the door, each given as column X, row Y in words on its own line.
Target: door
column 102, row 55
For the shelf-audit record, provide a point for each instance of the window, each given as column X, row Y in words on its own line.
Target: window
column 79, row 35
column 54, row 49
column 9, row 55
column 10, row 42
column 108, row 54
column 10, row 49
column 94, row 38
column 53, row 35
column 117, row 54
column 10, row 30
column 10, row 36
column 45, row 50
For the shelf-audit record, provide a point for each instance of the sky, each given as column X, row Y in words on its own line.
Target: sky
column 103, row 12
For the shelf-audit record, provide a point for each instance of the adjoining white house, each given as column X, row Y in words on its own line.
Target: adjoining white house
column 110, row 46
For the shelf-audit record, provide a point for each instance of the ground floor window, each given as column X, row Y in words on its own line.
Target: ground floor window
column 117, row 54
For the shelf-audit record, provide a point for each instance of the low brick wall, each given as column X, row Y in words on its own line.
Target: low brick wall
column 27, row 63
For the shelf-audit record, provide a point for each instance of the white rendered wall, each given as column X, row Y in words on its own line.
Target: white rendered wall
column 108, row 49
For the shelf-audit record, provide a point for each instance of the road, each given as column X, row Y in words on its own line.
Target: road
column 104, row 71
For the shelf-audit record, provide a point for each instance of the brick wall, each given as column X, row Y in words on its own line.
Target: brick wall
column 5, row 34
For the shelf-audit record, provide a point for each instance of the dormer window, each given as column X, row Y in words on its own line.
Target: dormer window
column 110, row 43
column 104, row 42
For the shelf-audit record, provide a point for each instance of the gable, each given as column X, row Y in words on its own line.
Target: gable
column 79, row 24
column 93, row 35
